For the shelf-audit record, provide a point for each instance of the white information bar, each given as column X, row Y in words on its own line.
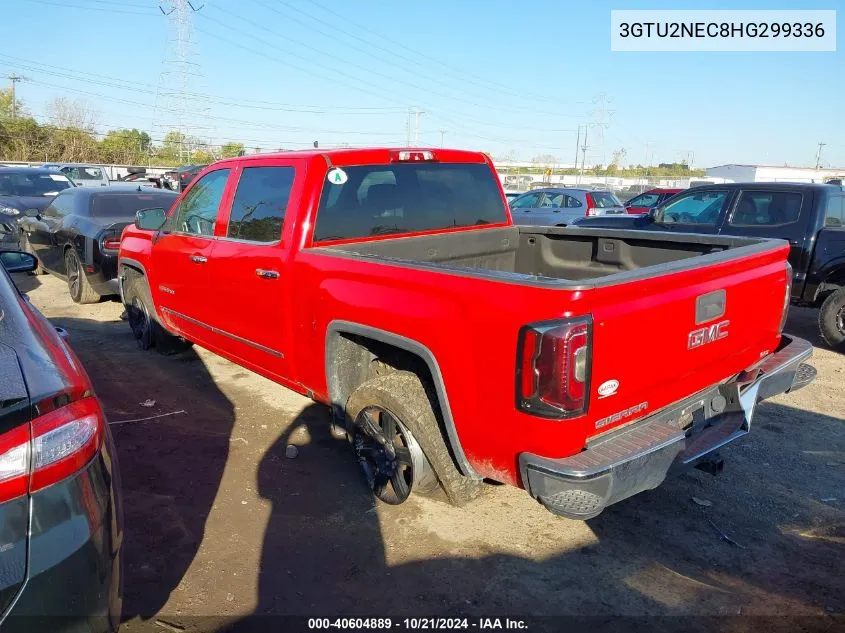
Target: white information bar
column 728, row 30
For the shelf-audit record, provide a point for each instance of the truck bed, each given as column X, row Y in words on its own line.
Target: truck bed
column 558, row 256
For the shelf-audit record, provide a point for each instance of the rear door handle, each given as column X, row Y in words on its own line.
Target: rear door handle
column 198, row 259
column 267, row 274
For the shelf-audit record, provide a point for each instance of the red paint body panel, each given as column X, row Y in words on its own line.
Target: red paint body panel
column 469, row 324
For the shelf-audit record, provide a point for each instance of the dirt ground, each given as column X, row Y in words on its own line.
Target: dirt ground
column 218, row 522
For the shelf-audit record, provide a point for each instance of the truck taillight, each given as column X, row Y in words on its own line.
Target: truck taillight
column 54, row 447
column 553, row 368
column 787, row 297
column 591, row 205
column 404, row 156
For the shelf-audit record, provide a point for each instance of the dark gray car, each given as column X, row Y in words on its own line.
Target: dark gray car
column 560, row 206
column 60, row 510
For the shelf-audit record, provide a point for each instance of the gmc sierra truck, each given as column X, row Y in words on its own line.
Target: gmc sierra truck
column 392, row 285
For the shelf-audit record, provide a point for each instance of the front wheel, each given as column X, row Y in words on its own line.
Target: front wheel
column 832, row 320
column 139, row 314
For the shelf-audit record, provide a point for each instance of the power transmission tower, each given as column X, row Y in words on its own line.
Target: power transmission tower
column 442, row 134
column 180, row 107
column 15, row 79
column 819, row 155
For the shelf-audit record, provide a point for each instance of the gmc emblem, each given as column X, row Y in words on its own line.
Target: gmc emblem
column 705, row 335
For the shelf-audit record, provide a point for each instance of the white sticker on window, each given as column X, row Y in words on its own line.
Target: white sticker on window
column 337, row 176
column 58, row 177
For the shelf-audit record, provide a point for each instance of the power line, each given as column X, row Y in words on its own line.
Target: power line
column 65, row 5
column 392, row 53
column 116, row 82
column 347, row 64
column 464, row 76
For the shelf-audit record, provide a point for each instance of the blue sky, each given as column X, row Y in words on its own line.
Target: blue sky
column 500, row 76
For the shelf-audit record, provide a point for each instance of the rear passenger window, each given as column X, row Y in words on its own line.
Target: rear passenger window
column 835, row 213
column 767, row 208
column 573, row 203
column 261, row 200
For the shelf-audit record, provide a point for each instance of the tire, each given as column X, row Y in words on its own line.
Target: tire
column 832, row 320
column 141, row 317
column 421, row 462
column 77, row 281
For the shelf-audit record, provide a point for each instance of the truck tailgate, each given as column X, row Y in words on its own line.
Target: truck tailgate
column 664, row 338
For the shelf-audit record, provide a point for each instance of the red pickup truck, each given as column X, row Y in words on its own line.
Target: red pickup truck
column 581, row 364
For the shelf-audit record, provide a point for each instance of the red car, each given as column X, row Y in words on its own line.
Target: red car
column 647, row 200
column 393, row 286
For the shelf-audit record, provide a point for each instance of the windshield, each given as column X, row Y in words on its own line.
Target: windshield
column 369, row 200
column 21, row 184
column 117, row 205
column 604, row 199
column 645, row 200
column 77, row 173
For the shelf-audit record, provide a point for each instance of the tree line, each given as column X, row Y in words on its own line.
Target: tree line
column 71, row 137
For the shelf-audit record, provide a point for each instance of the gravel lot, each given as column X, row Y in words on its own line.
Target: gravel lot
column 220, row 523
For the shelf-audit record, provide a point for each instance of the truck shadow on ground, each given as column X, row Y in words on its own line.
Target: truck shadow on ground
column 324, row 553
column 170, row 466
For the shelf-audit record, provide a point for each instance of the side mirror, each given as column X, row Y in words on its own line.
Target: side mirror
column 18, row 261
column 655, row 214
column 32, row 213
column 150, row 219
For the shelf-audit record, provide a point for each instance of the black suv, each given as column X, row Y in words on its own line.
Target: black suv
column 811, row 217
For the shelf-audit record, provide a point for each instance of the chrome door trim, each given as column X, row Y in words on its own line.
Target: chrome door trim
column 217, row 330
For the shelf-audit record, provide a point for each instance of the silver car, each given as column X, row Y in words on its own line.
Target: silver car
column 559, row 206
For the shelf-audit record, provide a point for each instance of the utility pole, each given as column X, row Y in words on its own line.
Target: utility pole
column 647, row 149
column 577, row 146
column 442, row 133
column 15, row 79
column 818, row 153
column 583, row 153
column 408, row 128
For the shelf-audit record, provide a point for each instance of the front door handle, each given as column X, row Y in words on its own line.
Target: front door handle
column 198, row 259
column 267, row 274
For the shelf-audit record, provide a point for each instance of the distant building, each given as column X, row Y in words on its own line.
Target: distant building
column 773, row 173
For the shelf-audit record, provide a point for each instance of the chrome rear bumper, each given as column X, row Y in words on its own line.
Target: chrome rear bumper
column 638, row 457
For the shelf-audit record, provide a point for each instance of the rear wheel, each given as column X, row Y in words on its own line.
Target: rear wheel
column 395, row 433
column 832, row 320
column 141, row 318
column 77, row 281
